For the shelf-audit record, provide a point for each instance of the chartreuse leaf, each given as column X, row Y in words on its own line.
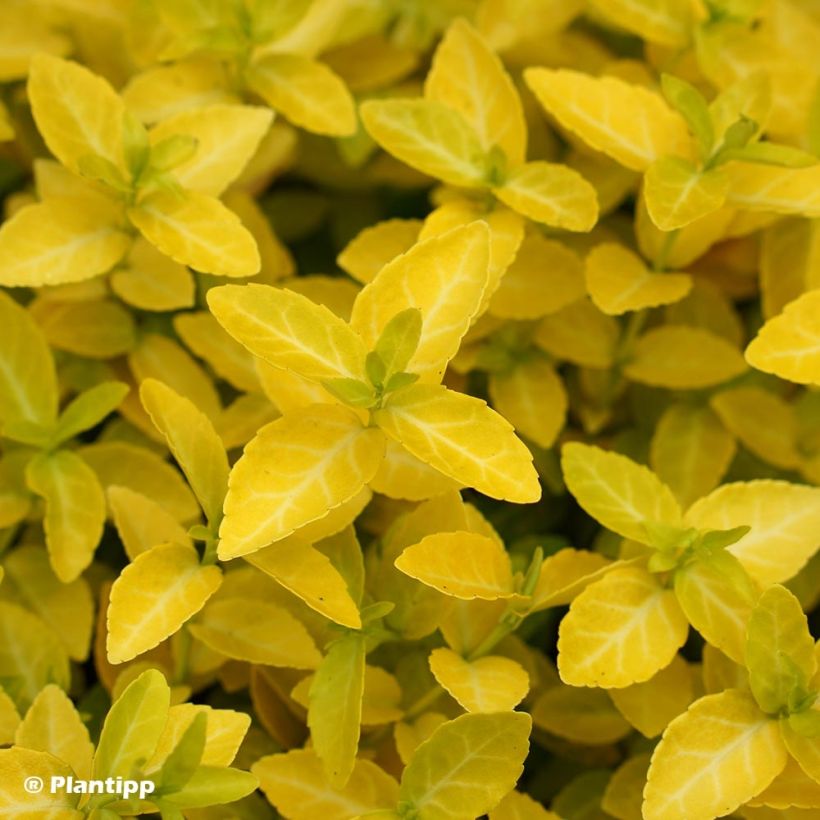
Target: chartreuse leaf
column 467, row 76
column 629, row 123
column 180, row 765
column 323, row 457
column 783, row 519
column 197, row 230
column 289, row 331
column 77, row 112
column 257, row 632
column 444, row 278
column 465, row 565
column 372, row 248
column 788, row 344
column 624, row 792
column 771, row 189
column 713, row 758
column 15, row 766
column 489, row 684
column 225, row 138
column 520, row 806
column 28, row 380
column 396, row 345
column 193, row 442
column 461, row 437
column 792, row 789
column 667, row 22
column 618, row 281
column 466, row 766
column 621, row 630
column 335, row 707
column 617, row 492
column 780, row 653
column 53, row 725
column 564, row 574
column 75, row 509
column 154, row 596
column 133, row 726
column 579, row 333
column 296, row 784
column 211, row 785
column 579, row 714
column 692, row 105
column 429, row 136
column 803, row 746
column 89, row 409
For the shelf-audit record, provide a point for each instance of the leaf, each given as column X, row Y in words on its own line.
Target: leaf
column 197, row 230
column 565, row 574
column 666, row 22
column 579, row 333
column 624, row 792
column 467, row 76
column 257, row 632
column 323, row 458
column 372, row 248
column 713, row 758
column 287, row 330
column 803, row 749
column 184, row 759
column 627, row 122
column 520, row 806
column 617, row 492
column 789, row 344
column 460, row 436
column 692, row 105
column 210, row 786
column 428, row 136
column 193, row 442
column 772, row 189
column 53, row 725
column 89, row 408
column 489, row 684
column 677, row 193
column 791, row 789
column 466, row 766
column 335, row 707
column 679, row 357
column 154, row 596
column 444, row 278
column 296, row 784
column 618, row 281
column 462, row 564
column 28, row 381
column 780, row 653
column 77, row 112
column 18, row 764
column 550, row 193
column 75, row 510
column 783, row 518
column 307, row 92
column 620, row 630
column 579, row 715
column 227, row 136
column 133, row 726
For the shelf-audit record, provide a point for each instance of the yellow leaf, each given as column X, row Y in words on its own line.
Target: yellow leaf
column 789, row 344
column 773, row 189
column 691, row 451
column 679, row 357
column 372, row 248
column 677, row 193
column 257, row 632
column 803, row 749
column 791, row 788
column 489, row 684
column 60, row 240
column 579, row 715
column 624, row 792
column 565, row 574
column 620, row 630
column 23, row 33
column 193, row 443
column 617, row 492
column 197, row 230
column 444, row 278
column 9, row 719
column 322, row 458
column 226, row 137
column 428, row 136
column 466, row 766
column 462, row 564
column 651, row 705
column 306, row 572
column 53, row 725
column 713, row 758
column 784, row 520
column 520, row 806
column 77, row 112
column 460, row 436
column 296, row 784
column 579, row 333
column 667, row 22
column 307, row 92
column 409, row 736
column 550, row 193
column 532, row 397
column 75, row 510
column 618, row 281
column 467, row 76
column 289, row 331
column 789, row 263
column 401, row 475
column 154, row 596
column 627, row 122
column 18, row 764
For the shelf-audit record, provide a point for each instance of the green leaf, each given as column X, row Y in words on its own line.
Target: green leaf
column 212, row 786
column 694, row 109
column 352, row 392
column 737, row 135
column 179, row 767
column 769, row 153
column 173, row 151
column 779, row 650
column 26, row 432
column 89, row 409
column 399, row 380
column 720, row 539
column 805, row 723
column 399, row 340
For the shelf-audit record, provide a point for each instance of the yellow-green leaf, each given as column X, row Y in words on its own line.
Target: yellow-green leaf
column 773, row 189
column 579, row 715
column 677, row 193
column 666, row 22
column 18, row 764
column 371, row 249
column 579, row 333
column 520, row 806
